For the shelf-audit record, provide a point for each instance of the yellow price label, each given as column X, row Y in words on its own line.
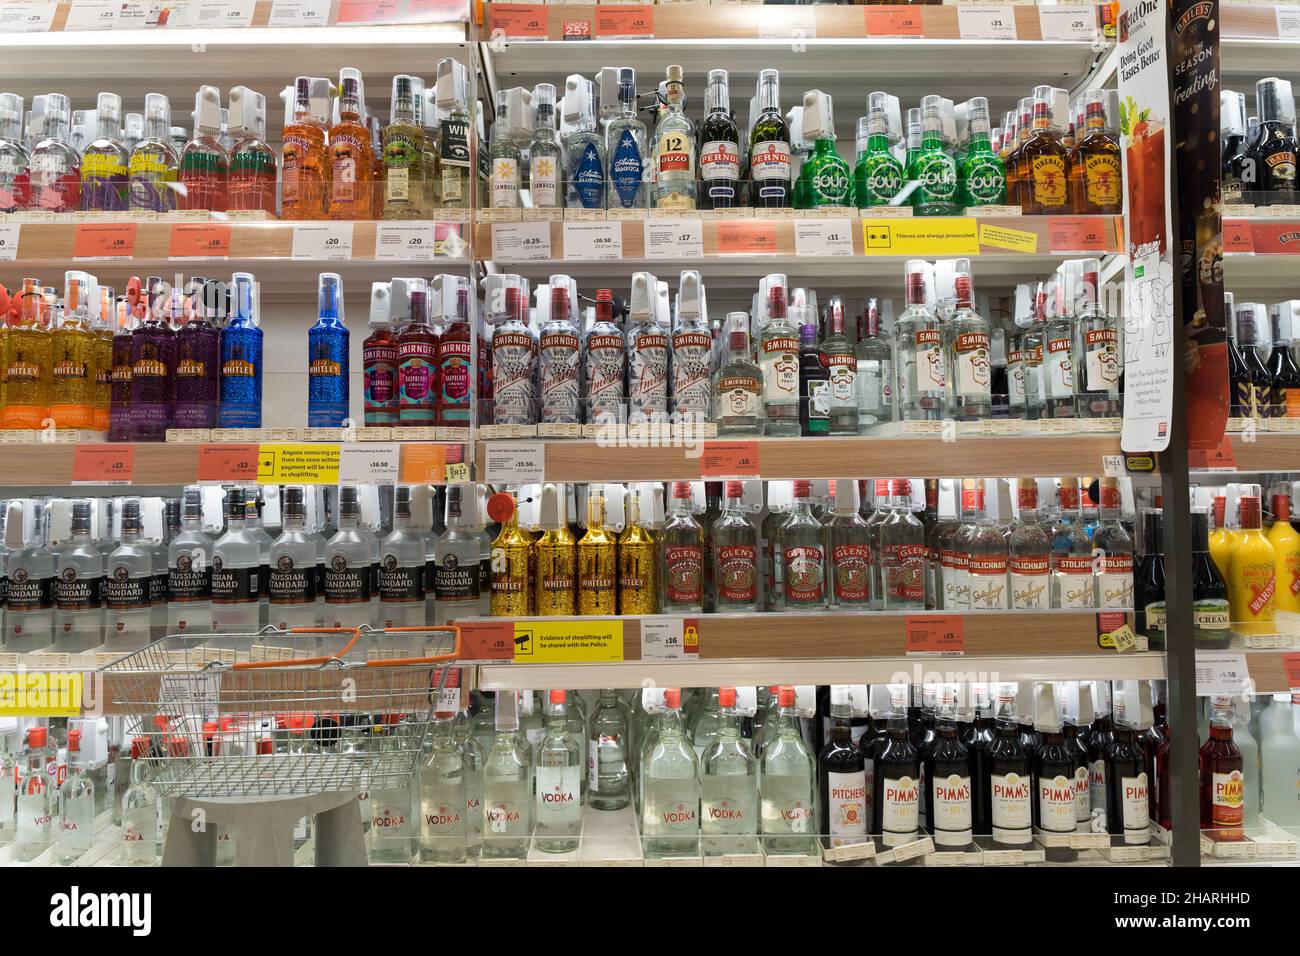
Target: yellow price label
column 41, row 694
column 920, row 236
column 568, row 642
column 1123, row 639
column 1000, row 237
column 302, row 464
column 457, row 472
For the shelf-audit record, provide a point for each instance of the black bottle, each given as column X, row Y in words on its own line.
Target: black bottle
column 1009, row 784
column 1211, row 629
column 1099, row 741
column 1282, row 366
column 1257, row 397
column 1149, row 582
column 1239, row 384
column 1075, row 740
column 814, row 384
column 999, row 383
column 1128, row 812
column 1054, row 783
column 1237, row 172
column 977, row 744
column 948, row 816
column 842, row 776
column 719, row 147
column 897, row 785
column 1274, row 154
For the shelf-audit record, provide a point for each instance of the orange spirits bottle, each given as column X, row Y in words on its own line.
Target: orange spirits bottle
column 1044, row 162
column 305, row 179
column 73, row 384
column 352, row 158
column 1015, row 145
column 103, row 315
column 1095, row 164
column 27, row 386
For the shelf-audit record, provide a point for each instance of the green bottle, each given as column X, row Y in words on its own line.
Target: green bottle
column 932, row 168
column 825, row 176
column 983, row 176
column 878, row 177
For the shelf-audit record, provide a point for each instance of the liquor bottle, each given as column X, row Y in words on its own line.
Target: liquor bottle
column 1280, row 752
column 1115, row 571
column 902, row 552
column 140, row 816
column 154, row 165
column 604, row 363
column 1286, row 549
column 874, row 375
column 692, row 353
column 14, row 178
column 1059, row 374
column 198, row 366
column 507, row 786
column 294, row 590
column 417, row 362
column 921, row 368
column 719, row 147
column 947, row 774
column 350, row 555
column 1031, row 345
column 405, row 189
column 780, row 361
column 1274, row 148
column 457, row 576
column 351, row 157
column 1149, row 582
column 29, row 590
column 1211, row 620
column 1282, row 367
column 204, row 173
column 1009, row 780
column 848, row 546
column 1029, row 553
column 932, row 167
column 896, row 781
column 737, row 407
column 1100, row 736
column 8, row 792
column 785, row 784
column 1252, row 569
column 987, row 561
column 674, row 148
column 455, row 376
column 511, row 560
column 558, row 781
column 54, row 167
column 982, row 175
column 453, row 173
column 1096, row 350
column 728, row 785
column 1237, row 176
column 79, row 588
column 1095, row 171
column 153, row 367
column 511, row 133
column 734, row 554
column 801, row 553
column 126, row 586
column 545, row 158
column 240, row 388
column 29, row 365
column 584, row 148
column 401, row 568
column 327, row 358
column 252, row 161
column 647, row 352
column 379, row 359
column 1043, row 162
column 878, row 177
column 843, row 778
column 442, row 800
column 825, row 178
column 36, row 799
column 1127, row 791
column 637, row 561
column 558, row 357
column 1054, row 760
column 967, row 333
column 104, row 160
column 769, row 148
column 126, row 319
column 73, row 346
column 554, row 559
column 235, row 565
column 597, row 560
column 76, row 806
column 189, row 570
column 1252, row 387
column 681, row 550
column 608, row 770
column 1073, row 583
column 625, row 144
column 670, row 783
column 841, row 363
column 305, row 181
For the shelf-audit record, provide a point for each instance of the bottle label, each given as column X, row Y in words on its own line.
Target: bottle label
column 770, row 161
column 441, row 819
column 400, row 585
column 1115, row 582
column 27, row 593
column 1155, row 616
column 988, row 582
column 514, row 365
column 1102, row 372
column 626, row 169
column 843, row 380
column 290, row 584
column 986, row 182
column 1076, row 586
column 692, row 367
column 187, row 583
column 1048, row 181
column 973, row 365
column 648, row 373
column 1056, row 810
column 952, row 810
column 558, row 359
column 1136, row 808
column 724, row 816
column 900, row 800
column 454, row 144
column 1012, row 807
column 1082, row 798
column 677, row 812
column 232, row 585
column 605, row 371
column 846, row 797
column 1102, row 178
column 674, row 155
column 1211, row 615
column 937, row 175
column 542, row 182
column 851, row 570
column 1016, row 379
column 558, row 791
column 779, row 359
column 588, row 178
column 829, row 182
column 684, row 580
column 904, row 578
column 1060, row 371
column 1227, row 799
column 75, row 593
column 879, row 180
column 738, row 573
column 453, row 380
column 1028, row 579
column 453, row 581
column 344, row 583
column 929, row 369
column 122, row 592
column 505, row 183
column 738, row 397
column 416, row 378
column 720, row 160
column 956, row 579
column 804, row 568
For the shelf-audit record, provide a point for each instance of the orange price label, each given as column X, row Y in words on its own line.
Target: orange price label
column 433, row 11
column 367, row 11
column 621, row 22
column 1222, row 458
column 1291, row 665
column 518, row 21
column 1237, row 237
column 1080, row 233
column 425, row 463
column 487, row 641
column 943, row 634
column 729, row 459
column 199, row 240
column 742, row 238
column 104, row 240
column 103, row 464
column 894, row 22
column 1275, row 239
column 231, row 463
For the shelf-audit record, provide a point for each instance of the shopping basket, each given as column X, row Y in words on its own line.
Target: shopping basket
column 236, row 715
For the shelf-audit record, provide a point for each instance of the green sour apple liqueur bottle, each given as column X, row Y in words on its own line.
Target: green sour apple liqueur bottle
column 983, row 176
column 932, row 168
column 825, row 175
column 878, row 176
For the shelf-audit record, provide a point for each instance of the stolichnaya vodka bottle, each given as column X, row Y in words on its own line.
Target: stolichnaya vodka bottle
column 559, row 781
column 728, row 786
column 442, row 804
column 786, row 784
column 507, row 786
column 670, row 787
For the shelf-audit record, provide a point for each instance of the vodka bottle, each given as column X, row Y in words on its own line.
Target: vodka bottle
column 559, row 781
column 235, row 562
column 76, row 806
column 1073, row 583
column 879, row 512
column 401, row 568
column 786, row 783
column 559, row 351
column 608, row 768
column 801, row 555
column 392, row 803
column 1059, row 373
column 729, row 815
column 253, row 524
column 968, row 356
column 838, row 352
column 1280, row 755
column 472, row 757
column 738, row 398
column 126, row 588
column 874, row 378
column 921, row 365
column 1096, row 357
column 514, row 360
column 902, row 552
column 681, row 550
column 692, row 353
column 647, row 354
column 379, row 359
column 13, row 155
column 29, row 601
column 204, row 162
column 350, row 599
column 848, row 548
column 597, row 560
column 638, row 592
column 189, row 571
column 778, row 350
column 8, row 791
column 417, row 363
column 54, row 168
column 625, row 143
column 1115, row 570
column 735, row 555
column 79, row 588
column 986, row 551
column 36, row 800
column 327, row 358
column 442, row 796
column 507, row 787
column 456, row 559
column 604, row 364
column 140, row 812
column 294, row 599
column 1029, row 552
column 670, row 823
column 154, row 165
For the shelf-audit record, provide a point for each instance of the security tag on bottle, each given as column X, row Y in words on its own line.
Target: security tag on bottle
column 805, row 700
column 652, row 699
column 860, row 700
column 746, row 701
column 526, row 699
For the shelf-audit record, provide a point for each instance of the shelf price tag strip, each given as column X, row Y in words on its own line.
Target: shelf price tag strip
column 1291, row 668
column 1221, row 672
column 930, row 635
column 369, row 462
column 515, row 463
column 674, row 238
column 1069, row 23
column 625, row 22
column 103, row 464
column 593, row 240
column 669, row 638
column 223, row 463
column 894, row 21
column 729, row 459
column 518, row 21
column 521, row 241
column 823, row 237
column 104, row 240
column 199, row 240
column 987, row 22
column 1000, row 237
column 424, row 463
column 322, row 240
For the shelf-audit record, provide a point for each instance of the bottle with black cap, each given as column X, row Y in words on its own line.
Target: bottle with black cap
column 351, row 557
column 401, row 568
column 1274, row 152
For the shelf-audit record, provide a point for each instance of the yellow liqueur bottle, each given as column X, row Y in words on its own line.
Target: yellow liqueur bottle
column 636, row 561
column 1286, row 548
column 555, row 559
column 27, row 380
column 511, row 560
column 73, row 385
column 103, row 314
column 1252, row 571
column 597, row 560
column 1222, row 538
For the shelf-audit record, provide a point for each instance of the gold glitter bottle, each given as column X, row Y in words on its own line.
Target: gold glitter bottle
column 556, row 559
column 511, row 594
column 30, row 363
column 636, row 562
column 597, row 562
column 73, row 389
column 103, row 313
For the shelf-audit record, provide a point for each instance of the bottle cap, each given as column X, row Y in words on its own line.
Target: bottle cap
column 37, row 736
column 549, row 513
column 726, row 697
column 558, row 696
column 543, row 97
column 501, row 506
column 11, row 108
column 1232, row 113
column 690, row 297
column 157, row 110
column 1274, row 101
column 452, row 84
column 381, row 298
column 735, row 490
column 407, row 98
column 207, row 111
column 846, row 496
column 578, row 95
column 1047, row 716
column 818, row 122
column 785, row 697
column 672, row 698
column 331, row 295
column 642, row 303
column 682, row 489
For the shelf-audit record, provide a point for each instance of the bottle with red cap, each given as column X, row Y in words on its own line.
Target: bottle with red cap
column 786, row 780
column 681, row 550
column 728, row 786
column 442, row 798
column 140, row 809
column 35, row 798
column 507, row 787
column 735, row 555
column 559, row 781
column 801, row 556
column 76, row 805
column 902, row 552
column 670, row 787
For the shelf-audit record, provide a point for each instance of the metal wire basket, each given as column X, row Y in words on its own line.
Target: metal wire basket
column 238, row 715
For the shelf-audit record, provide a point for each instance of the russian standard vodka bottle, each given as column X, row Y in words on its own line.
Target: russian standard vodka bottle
column 1010, row 785
column 1029, row 553
column 79, row 588
column 902, row 552
column 76, row 806
column 947, row 773
column 692, row 353
column 608, row 769
column 559, row 782
column 843, row 778
column 235, row 563
column 36, row 801
column 922, row 369
column 1073, row 584
column 294, row 597
column 456, row 557
column 401, row 568
column 738, row 398
column 559, row 351
column 968, row 357
column 848, row 546
column 735, row 555
column 625, row 140
column 442, row 796
column 126, row 587
column 189, row 571
column 647, row 354
column 349, row 558
column 728, row 786
column 514, row 360
column 670, row 786
column 507, row 786
column 778, row 356
column 986, row 563
column 786, row 774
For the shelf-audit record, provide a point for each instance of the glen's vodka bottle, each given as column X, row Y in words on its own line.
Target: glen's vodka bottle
column 728, row 786
column 189, row 571
column 327, row 358
column 126, row 588
column 442, row 796
column 670, row 787
column 507, row 787
column 789, row 820
column 79, row 588
column 559, row 781
column 401, row 568
column 350, row 555
column 76, row 806
column 235, row 562
column 294, row 597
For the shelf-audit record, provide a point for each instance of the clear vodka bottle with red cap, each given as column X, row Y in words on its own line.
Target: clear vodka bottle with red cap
column 902, row 552
column 921, row 364
column 801, row 553
column 507, row 786
column 441, row 803
column 735, row 555
column 786, row 784
column 670, row 787
column 728, row 786
column 559, row 781
column 681, row 549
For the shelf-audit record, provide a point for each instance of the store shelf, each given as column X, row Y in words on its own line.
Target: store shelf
column 1256, row 21
column 1262, row 451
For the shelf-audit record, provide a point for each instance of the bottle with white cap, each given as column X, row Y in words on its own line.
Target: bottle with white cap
column 351, row 155
column 825, row 177
column 648, row 350
column 154, row 164
column 54, row 169
column 674, row 148
column 584, row 148
column 511, row 132
column 404, row 185
column 456, row 558
column 544, row 158
column 692, row 352
column 252, row 161
column 626, row 143
column 13, row 155
column 305, row 176
column 104, row 160
column 205, row 164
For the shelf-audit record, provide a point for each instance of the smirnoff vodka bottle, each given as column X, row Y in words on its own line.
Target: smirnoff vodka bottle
column 559, row 350
column 604, row 368
column 692, row 353
column 514, row 360
column 647, row 354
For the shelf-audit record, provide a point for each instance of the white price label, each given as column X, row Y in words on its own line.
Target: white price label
column 190, row 693
column 448, row 700
column 373, row 463
column 674, row 238
column 92, row 15
column 823, row 237
column 593, row 240
column 992, row 22
column 1112, row 466
column 300, row 13
column 138, row 15
column 790, row 23
column 29, row 17
column 521, row 241
column 1221, row 672
column 1068, row 23
column 322, row 240
column 9, row 241
column 1288, row 21
column 516, row 463
column 661, row 638
column 652, row 699
column 222, row 14
column 409, row 241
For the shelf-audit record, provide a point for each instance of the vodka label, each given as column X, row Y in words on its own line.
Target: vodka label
column 770, row 160
column 558, row 789
column 1028, row 580
column 27, row 593
column 514, row 370
column 454, row 582
column 956, row 579
column 692, row 366
column 391, row 820
column 505, row 183
column 738, row 573
column 123, row 592
column 780, row 363
column 606, row 369
column 904, row 574
column 899, row 810
column 232, row 585
column 441, row 819
column 588, row 178
column 346, row 583
column 626, row 169
column 417, row 376
column 1012, row 807
column 1115, row 581
column 805, row 574
column 952, row 810
column 75, row 593
column 1102, row 371
column 1056, row 810
column 1227, row 799
column 723, row 814
column 788, row 816
column 1076, row 587
column 189, row 580
column 1016, row 375
column 542, row 182
column 973, row 367
column 647, row 379
column 846, row 794
column 1134, row 806
column 1060, row 371
column 674, row 816
column 1097, row 794
column 290, row 584
column 928, row 368
column 843, row 378
column 851, row 573
column 988, row 582
column 684, row 575
column 738, row 397
column 1082, row 798
column 398, row 584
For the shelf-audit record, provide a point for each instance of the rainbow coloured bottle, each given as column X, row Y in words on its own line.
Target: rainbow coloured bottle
column 153, row 162
column 204, row 163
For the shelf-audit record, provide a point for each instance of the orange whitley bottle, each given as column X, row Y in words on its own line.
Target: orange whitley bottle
column 352, row 158
column 305, row 177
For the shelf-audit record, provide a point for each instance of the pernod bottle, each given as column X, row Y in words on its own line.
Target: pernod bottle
column 401, row 568
column 294, row 599
column 79, row 588
column 559, row 782
column 126, row 588
column 189, row 571
column 692, row 353
column 719, row 147
column 670, row 783
column 769, row 147
column 507, row 786
column 349, row 557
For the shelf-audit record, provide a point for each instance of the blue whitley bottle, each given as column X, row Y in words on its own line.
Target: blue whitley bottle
column 327, row 358
column 241, row 360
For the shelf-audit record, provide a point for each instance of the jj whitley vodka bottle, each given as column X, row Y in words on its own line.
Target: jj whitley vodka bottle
column 349, row 557
column 647, row 352
column 327, row 358
column 235, row 563
column 189, row 571
column 401, row 568
column 240, row 393
column 597, row 562
column 153, row 369
column 294, row 596
column 511, row 560
column 735, row 555
column 921, row 366
column 507, row 786
column 198, row 359
column 670, row 782
column 554, row 558
column 681, row 549
column 638, row 592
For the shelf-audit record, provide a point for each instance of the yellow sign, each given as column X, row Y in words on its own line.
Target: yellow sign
column 298, row 464
column 40, row 694
column 1017, row 240
column 568, row 642
column 1122, row 638
column 920, row 236
column 457, row 472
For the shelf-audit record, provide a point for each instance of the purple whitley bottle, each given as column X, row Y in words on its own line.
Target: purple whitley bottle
column 119, row 388
column 153, row 367
column 198, row 366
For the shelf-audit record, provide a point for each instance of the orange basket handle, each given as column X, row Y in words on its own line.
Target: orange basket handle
column 303, row 661
column 454, row 654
